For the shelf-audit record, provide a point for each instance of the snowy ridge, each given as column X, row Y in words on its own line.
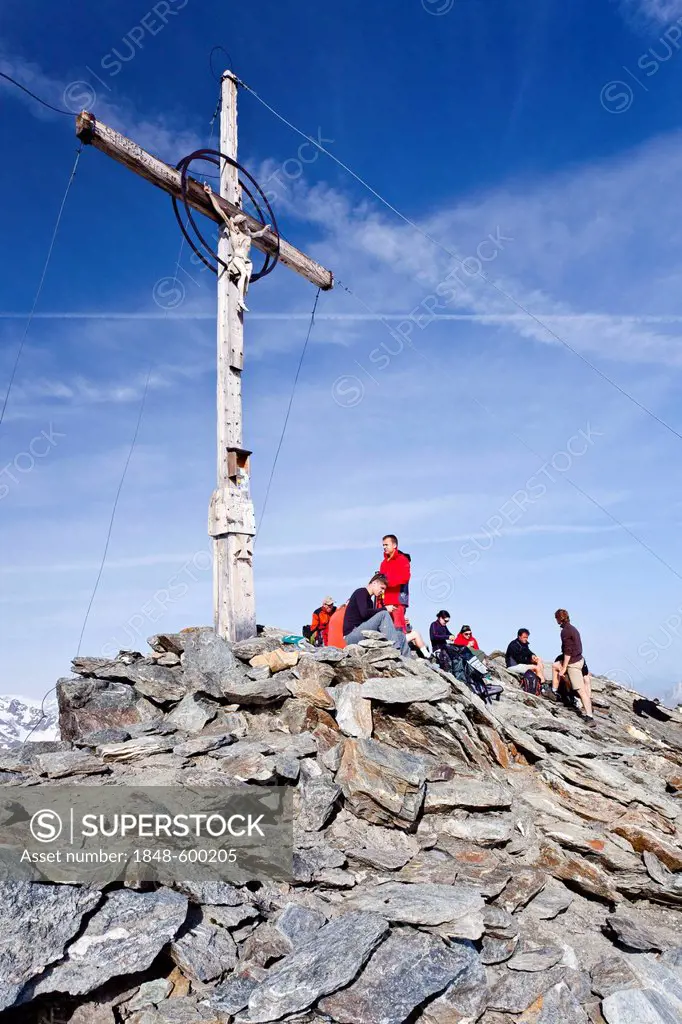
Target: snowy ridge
column 19, row 715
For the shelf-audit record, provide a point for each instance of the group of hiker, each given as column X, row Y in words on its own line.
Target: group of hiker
column 382, row 605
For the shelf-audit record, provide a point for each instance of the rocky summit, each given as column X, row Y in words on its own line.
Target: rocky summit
column 454, row 861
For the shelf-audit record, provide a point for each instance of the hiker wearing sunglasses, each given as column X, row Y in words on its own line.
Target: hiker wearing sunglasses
column 465, row 638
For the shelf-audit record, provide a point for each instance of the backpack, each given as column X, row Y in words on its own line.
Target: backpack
column 404, row 596
column 531, row 684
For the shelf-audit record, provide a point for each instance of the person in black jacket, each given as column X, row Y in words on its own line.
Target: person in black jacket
column 519, row 658
column 361, row 613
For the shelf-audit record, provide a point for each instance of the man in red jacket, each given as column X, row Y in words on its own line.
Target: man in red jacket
column 396, row 568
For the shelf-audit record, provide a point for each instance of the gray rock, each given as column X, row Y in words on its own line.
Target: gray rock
column 499, row 923
column 639, row 1006
column 380, row 783
column 204, row 953
column 498, row 951
column 525, row 884
column 559, row 1006
column 406, row 689
column 535, row 958
column 207, row 662
column 88, row 705
column 482, row 829
column 315, row 863
column 254, row 692
column 408, row 968
column 192, row 713
column 36, row 923
column 467, row 996
column 245, row 650
column 551, row 901
column 659, row 976
column 458, row 906
column 634, row 934
column 353, row 712
column 657, row 869
column 69, row 762
column 299, row 924
column 233, row 995
column 149, row 994
column 219, row 894
column 612, row 975
column 515, row 991
column 102, row 736
column 327, row 963
column 132, row 750
column 123, row 936
column 465, row 792
column 318, row 797
column 173, row 642
column 158, row 682
column 203, row 744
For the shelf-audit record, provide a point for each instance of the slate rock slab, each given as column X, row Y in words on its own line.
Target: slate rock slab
column 459, row 906
column 88, row 705
column 382, row 784
column 123, row 936
column 560, row 1006
column 406, row 689
column 233, row 994
column 318, row 797
column 551, row 901
column 465, row 792
column 612, row 975
column 192, row 713
column 535, row 958
column 238, row 689
column 299, row 924
column 207, row 660
column 36, row 923
column 69, row 762
column 408, row 968
column 635, row 934
column 467, row 996
column 515, row 991
column 353, row 712
column 639, row 1006
column 204, row 953
column 325, row 964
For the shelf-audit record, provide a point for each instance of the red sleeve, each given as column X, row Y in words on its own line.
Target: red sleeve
column 475, row 644
column 396, row 570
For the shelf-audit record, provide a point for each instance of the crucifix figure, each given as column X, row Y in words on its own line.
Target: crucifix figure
column 239, row 264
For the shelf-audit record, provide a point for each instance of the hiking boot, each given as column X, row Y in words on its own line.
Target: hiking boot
column 554, row 696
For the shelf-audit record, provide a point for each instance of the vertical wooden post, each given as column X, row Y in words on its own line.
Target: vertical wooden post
column 231, row 517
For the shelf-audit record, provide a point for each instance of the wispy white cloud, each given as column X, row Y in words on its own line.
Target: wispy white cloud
column 658, row 11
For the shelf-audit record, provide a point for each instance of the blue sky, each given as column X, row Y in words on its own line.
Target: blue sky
column 538, row 141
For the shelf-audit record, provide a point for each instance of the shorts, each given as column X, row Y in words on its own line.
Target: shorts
column 575, row 674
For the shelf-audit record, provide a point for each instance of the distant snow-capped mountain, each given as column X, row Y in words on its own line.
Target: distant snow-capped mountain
column 19, row 715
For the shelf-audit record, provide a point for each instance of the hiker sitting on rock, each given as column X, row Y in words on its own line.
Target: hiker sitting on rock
column 572, row 664
column 361, row 614
column 319, row 627
column 519, row 658
column 466, row 638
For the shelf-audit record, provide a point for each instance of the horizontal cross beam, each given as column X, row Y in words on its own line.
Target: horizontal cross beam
column 92, row 132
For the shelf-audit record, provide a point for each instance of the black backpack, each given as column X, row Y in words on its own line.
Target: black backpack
column 531, row 684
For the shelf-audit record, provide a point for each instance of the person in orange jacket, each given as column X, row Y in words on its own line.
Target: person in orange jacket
column 397, row 570
column 319, row 627
column 465, row 638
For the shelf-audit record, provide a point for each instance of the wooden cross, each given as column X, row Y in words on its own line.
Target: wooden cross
column 231, row 516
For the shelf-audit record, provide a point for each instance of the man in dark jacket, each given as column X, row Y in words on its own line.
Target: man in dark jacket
column 519, row 658
column 571, row 663
column 361, row 613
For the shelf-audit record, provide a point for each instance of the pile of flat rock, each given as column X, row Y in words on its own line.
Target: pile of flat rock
column 454, row 861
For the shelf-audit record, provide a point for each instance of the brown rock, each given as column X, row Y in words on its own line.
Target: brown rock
column 574, row 868
column 381, row 784
column 647, row 839
column 277, row 660
column 309, row 682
